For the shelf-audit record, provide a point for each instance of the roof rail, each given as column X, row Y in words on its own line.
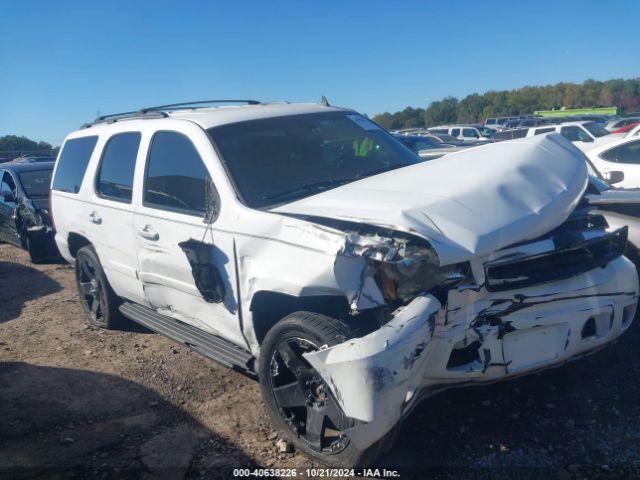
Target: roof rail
column 160, row 111
column 114, row 117
column 197, row 104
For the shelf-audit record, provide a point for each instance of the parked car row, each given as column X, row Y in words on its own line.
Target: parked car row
column 306, row 246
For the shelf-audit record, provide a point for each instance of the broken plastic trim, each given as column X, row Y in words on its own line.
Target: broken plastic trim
column 205, row 273
column 212, row 202
column 573, row 257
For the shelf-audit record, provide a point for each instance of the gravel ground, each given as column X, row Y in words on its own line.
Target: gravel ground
column 79, row 402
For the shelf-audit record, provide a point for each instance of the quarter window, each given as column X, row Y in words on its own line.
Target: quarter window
column 115, row 177
column 540, row 131
column 72, row 163
column 176, row 177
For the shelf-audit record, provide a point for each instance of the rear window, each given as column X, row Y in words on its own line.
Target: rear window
column 72, row 164
column 36, row 183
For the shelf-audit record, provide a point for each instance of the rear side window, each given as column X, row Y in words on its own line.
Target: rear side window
column 115, row 175
column 540, row 131
column 176, row 178
column 72, row 164
column 455, row 132
column 626, row 153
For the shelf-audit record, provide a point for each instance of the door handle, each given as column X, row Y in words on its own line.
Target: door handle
column 149, row 233
column 95, row 218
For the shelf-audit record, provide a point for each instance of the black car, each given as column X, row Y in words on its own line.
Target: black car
column 24, row 208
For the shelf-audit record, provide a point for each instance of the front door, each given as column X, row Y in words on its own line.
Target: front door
column 186, row 267
column 8, row 229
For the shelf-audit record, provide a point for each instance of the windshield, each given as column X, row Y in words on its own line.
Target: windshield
column 36, row 183
column 282, row 159
column 596, row 129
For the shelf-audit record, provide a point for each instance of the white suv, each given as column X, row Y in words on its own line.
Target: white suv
column 304, row 245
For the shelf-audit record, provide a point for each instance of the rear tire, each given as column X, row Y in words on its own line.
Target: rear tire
column 98, row 299
column 300, row 404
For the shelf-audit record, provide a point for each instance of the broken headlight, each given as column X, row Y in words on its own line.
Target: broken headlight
column 417, row 271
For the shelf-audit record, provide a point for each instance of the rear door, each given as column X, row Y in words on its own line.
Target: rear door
column 109, row 214
column 186, row 266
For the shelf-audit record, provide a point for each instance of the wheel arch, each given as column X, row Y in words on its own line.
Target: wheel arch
column 76, row 242
column 269, row 307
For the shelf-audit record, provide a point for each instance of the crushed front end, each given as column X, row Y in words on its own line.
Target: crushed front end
column 527, row 307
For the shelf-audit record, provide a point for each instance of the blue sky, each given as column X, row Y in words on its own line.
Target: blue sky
column 63, row 61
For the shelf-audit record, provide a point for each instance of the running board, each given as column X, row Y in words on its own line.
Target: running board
column 207, row 344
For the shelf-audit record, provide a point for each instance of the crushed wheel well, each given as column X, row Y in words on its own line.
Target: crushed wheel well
column 76, row 242
column 268, row 308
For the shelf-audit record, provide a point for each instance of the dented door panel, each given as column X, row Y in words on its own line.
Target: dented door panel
column 169, row 280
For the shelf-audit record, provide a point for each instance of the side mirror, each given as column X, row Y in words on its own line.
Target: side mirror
column 614, row 176
column 8, row 196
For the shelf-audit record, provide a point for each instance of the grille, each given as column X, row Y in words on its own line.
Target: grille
column 573, row 258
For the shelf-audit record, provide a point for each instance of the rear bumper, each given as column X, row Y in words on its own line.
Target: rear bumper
column 478, row 337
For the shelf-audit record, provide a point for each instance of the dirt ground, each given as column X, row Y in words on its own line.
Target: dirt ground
column 78, row 402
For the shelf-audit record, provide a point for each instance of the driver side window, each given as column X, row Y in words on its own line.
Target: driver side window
column 175, row 178
column 574, row 134
column 469, row 133
column 8, row 184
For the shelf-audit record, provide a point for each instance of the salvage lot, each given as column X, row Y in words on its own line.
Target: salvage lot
column 87, row 401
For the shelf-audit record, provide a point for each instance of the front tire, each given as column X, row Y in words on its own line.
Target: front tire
column 98, row 298
column 300, row 404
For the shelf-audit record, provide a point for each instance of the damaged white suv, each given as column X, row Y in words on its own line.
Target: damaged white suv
column 303, row 244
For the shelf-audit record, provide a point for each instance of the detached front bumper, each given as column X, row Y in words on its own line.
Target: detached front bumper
column 478, row 336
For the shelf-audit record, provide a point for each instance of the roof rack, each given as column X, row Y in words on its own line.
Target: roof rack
column 197, row 104
column 160, row 111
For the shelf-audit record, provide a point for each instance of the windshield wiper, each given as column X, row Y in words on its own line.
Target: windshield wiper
column 317, row 187
column 311, row 188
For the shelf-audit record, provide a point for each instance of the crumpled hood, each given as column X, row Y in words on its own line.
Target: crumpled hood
column 466, row 204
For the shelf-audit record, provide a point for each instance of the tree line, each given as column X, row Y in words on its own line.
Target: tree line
column 12, row 146
column 520, row 101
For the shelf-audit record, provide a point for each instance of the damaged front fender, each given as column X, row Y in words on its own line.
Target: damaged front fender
column 374, row 377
